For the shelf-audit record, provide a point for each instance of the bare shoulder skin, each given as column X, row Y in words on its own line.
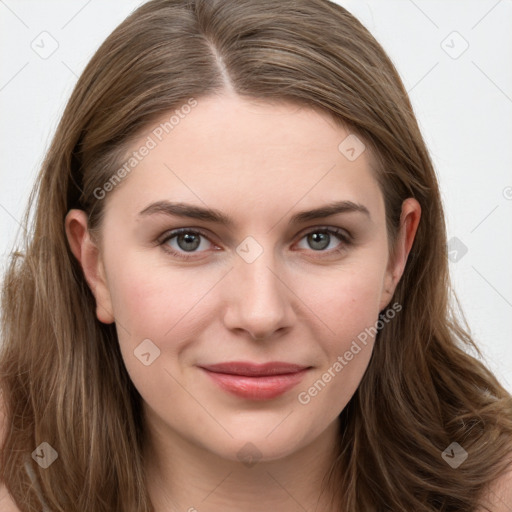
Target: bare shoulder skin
column 499, row 496
column 6, row 502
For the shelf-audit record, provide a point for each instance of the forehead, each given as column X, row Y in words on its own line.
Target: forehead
column 250, row 156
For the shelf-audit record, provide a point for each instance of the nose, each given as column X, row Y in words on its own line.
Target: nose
column 258, row 297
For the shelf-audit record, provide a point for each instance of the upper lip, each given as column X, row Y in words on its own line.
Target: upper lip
column 255, row 370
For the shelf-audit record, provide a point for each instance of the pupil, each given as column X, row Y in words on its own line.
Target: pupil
column 317, row 238
column 189, row 239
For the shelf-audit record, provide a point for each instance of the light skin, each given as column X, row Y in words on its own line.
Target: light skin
column 299, row 301
column 260, row 164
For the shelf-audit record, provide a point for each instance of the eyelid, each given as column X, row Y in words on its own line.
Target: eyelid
column 337, row 230
column 172, row 233
column 345, row 236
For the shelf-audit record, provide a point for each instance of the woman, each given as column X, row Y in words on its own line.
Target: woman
column 236, row 292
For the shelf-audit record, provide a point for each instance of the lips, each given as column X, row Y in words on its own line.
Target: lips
column 254, row 370
column 256, row 381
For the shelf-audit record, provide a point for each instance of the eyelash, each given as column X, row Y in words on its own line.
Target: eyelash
column 344, row 238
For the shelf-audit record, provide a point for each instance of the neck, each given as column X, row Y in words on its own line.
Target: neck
column 183, row 476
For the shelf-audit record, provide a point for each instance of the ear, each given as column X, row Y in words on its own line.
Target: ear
column 89, row 256
column 409, row 221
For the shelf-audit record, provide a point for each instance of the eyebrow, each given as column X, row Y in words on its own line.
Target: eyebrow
column 185, row 210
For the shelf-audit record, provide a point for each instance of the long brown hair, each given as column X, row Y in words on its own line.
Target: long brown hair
column 61, row 372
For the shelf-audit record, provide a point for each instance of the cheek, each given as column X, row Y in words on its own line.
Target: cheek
column 162, row 303
column 150, row 307
column 172, row 306
column 349, row 309
column 152, row 301
column 346, row 301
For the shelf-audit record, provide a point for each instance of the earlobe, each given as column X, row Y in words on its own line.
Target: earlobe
column 409, row 221
column 89, row 257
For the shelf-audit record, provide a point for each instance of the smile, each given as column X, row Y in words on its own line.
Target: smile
column 256, row 382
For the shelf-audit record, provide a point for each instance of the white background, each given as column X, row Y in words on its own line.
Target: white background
column 463, row 101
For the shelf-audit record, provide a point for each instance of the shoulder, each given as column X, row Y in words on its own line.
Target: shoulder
column 6, row 502
column 498, row 497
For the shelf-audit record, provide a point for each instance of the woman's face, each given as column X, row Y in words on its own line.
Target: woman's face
column 268, row 284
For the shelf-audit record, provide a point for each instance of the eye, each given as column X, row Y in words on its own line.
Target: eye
column 320, row 238
column 188, row 241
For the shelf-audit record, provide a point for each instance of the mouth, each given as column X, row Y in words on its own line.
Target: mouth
column 256, row 381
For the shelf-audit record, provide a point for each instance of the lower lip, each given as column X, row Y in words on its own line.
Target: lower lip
column 257, row 388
